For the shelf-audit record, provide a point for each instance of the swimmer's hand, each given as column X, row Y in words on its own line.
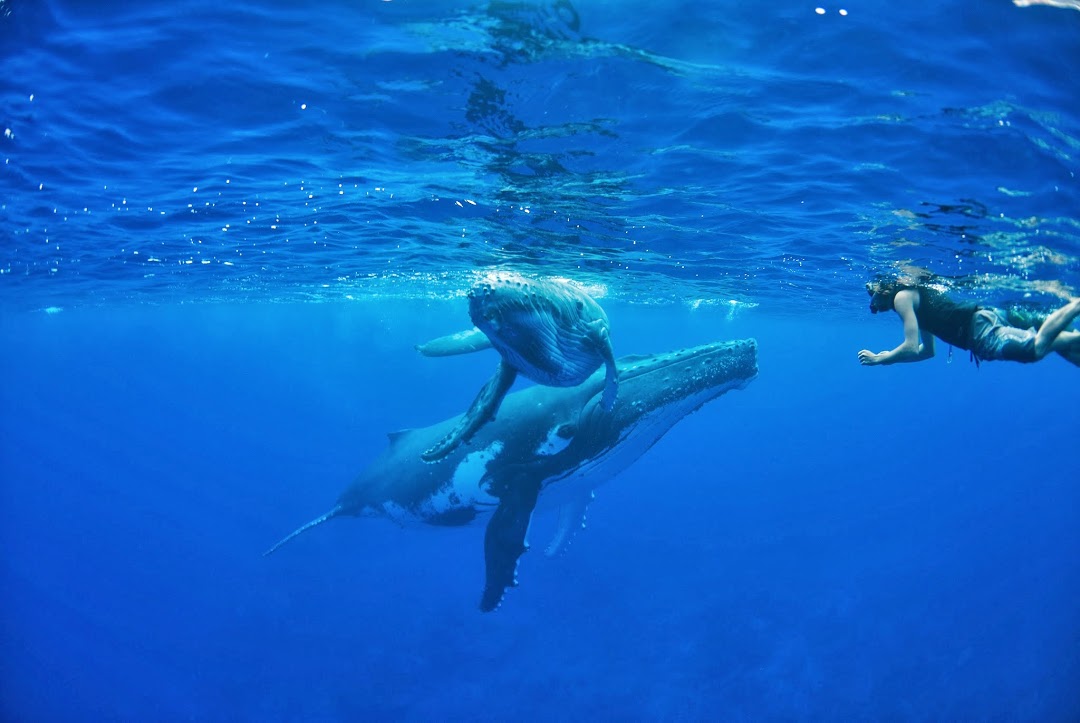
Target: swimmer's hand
column 869, row 359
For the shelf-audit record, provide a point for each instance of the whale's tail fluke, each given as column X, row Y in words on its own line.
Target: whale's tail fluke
column 304, row 528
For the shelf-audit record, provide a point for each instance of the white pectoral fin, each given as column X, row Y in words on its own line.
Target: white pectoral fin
column 611, row 387
column 611, row 381
column 462, row 342
column 571, row 519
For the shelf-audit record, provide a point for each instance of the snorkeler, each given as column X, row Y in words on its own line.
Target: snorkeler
column 984, row 331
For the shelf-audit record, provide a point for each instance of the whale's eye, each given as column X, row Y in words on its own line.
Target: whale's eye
column 566, row 431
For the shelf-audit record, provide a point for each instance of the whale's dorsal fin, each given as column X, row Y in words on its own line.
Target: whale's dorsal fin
column 462, row 342
column 304, row 528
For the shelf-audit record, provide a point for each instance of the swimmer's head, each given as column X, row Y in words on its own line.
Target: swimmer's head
column 882, row 292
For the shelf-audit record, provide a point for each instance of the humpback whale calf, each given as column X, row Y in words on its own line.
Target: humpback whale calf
column 548, row 330
column 555, row 444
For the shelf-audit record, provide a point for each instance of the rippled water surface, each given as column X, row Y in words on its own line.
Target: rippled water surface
column 769, row 154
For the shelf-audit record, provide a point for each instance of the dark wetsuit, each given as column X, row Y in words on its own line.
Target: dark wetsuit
column 984, row 331
column 944, row 318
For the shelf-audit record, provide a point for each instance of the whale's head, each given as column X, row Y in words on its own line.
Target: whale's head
column 498, row 299
column 683, row 380
column 550, row 330
column 655, row 392
column 505, row 303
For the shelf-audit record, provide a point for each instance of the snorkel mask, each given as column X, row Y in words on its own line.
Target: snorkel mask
column 878, row 294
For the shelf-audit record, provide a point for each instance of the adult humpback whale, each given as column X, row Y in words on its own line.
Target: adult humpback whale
column 548, row 330
column 555, row 440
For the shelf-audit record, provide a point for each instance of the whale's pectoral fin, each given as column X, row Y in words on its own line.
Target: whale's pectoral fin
column 571, row 519
column 504, row 541
column 480, row 413
column 463, row 342
column 611, row 381
column 611, row 387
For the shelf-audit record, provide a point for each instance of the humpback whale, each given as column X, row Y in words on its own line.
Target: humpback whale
column 548, row 330
column 554, row 445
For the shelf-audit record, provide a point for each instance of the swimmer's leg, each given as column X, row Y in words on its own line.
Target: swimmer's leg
column 1067, row 345
column 1053, row 327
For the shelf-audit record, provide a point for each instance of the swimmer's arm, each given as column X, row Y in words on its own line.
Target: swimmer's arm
column 910, row 350
column 927, row 350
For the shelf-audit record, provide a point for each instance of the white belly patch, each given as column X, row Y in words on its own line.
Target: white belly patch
column 553, row 443
column 464, row 489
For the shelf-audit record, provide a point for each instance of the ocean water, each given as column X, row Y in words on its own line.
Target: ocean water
column 224, row 227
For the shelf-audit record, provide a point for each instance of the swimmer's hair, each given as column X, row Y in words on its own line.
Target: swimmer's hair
column 883, row 285
column 886, row 285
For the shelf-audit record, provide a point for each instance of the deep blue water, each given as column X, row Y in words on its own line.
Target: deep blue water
column 223, row 227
